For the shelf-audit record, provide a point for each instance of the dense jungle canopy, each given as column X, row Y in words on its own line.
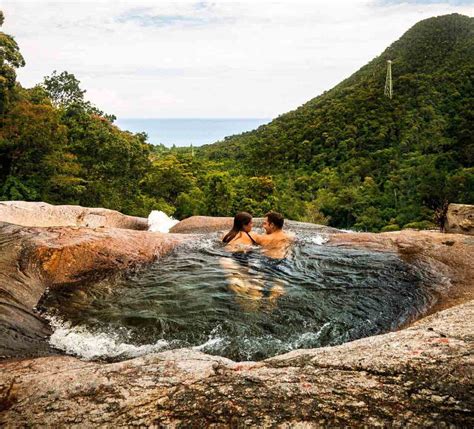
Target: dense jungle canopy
column 350, row 158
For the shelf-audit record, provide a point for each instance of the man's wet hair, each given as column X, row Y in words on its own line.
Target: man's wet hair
column 276, row 218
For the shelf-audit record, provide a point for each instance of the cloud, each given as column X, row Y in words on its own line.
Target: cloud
column 198, row 14
column 206, row 59
column 425, row 2
column 162, row 20
column 202, row 5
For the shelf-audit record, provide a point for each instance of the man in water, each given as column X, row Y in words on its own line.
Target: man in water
column 275, row 242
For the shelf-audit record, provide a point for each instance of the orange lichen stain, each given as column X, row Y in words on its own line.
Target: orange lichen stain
column 440, row 340
column 49, row 262
column 245, row 367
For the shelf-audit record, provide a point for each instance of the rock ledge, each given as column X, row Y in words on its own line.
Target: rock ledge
column 419, row 376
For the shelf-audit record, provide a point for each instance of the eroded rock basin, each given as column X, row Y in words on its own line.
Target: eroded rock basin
column 243, row 307
column 421, row 375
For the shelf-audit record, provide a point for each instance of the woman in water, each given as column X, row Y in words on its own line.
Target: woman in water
column 238, row 239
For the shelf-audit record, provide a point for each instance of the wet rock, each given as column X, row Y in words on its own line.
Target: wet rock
column 419, row 376
column 33, row 259
column 378, row 381
column 44, row 215
column 202, row 224
column 451, row 265
column 460, row 219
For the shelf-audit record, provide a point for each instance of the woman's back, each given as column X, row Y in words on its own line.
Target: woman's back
column 241, row 242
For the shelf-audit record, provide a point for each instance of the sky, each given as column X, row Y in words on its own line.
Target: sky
column 208, row 59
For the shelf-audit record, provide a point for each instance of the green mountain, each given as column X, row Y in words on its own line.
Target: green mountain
column 362, row 159
column 350, row 158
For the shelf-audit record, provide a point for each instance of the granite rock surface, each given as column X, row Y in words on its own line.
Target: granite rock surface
column 44, row 215
column 420, row 376
column 460, row 219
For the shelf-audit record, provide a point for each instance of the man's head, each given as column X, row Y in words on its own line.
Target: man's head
column 273, row 222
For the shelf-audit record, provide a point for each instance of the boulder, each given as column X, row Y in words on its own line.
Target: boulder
column 447, row 257
column 460, row 219
column 43, row 214
column 209, row 224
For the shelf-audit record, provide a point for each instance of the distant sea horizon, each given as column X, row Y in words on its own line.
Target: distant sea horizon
column 189, row 131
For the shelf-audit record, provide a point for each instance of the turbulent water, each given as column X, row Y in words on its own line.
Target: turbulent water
column 243, row 308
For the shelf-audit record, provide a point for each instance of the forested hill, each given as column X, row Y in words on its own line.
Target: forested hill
column 354, row 145
column 432, row 67
column 350, row 158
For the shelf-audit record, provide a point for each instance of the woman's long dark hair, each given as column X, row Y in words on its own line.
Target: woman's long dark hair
column 241, row 219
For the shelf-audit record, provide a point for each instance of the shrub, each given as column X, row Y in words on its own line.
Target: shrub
column 391, row 227
column 424, row 224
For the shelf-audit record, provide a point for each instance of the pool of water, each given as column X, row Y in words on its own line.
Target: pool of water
column 246, row 308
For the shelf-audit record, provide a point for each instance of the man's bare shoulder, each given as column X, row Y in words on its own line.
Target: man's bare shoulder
column 260, row 239
column 275, row 238
column 284, row 236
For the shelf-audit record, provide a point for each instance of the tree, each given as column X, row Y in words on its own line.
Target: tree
column 220, row 194
column 190, row 204
column 63, row 89
column 10, row 59
column 35, row 162
column 167, row 179
column 65, row 92
column 112, row 162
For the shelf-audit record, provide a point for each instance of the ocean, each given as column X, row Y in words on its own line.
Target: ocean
column 187, row 131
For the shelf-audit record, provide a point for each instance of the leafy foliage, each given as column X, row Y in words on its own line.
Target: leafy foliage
column 350, row 158
column 63, row 89
column 10, row 59
column 362, row 160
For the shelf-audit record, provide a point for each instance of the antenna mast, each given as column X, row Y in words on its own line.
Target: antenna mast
column 388, row 80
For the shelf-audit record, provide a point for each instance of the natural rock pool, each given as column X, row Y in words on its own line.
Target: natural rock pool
column 241, row 308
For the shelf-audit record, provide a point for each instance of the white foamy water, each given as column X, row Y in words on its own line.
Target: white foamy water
column 319, row 239
column 79, row 341
column 211, row 344
column 215, row 341
column 307, row 337
column 160, row 222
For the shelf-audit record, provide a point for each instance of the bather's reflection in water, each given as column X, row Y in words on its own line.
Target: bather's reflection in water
column 254, row 291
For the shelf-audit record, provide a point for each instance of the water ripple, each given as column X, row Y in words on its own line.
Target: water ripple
column 242, row 308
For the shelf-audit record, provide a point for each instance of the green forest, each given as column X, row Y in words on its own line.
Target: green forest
column 349, row 158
